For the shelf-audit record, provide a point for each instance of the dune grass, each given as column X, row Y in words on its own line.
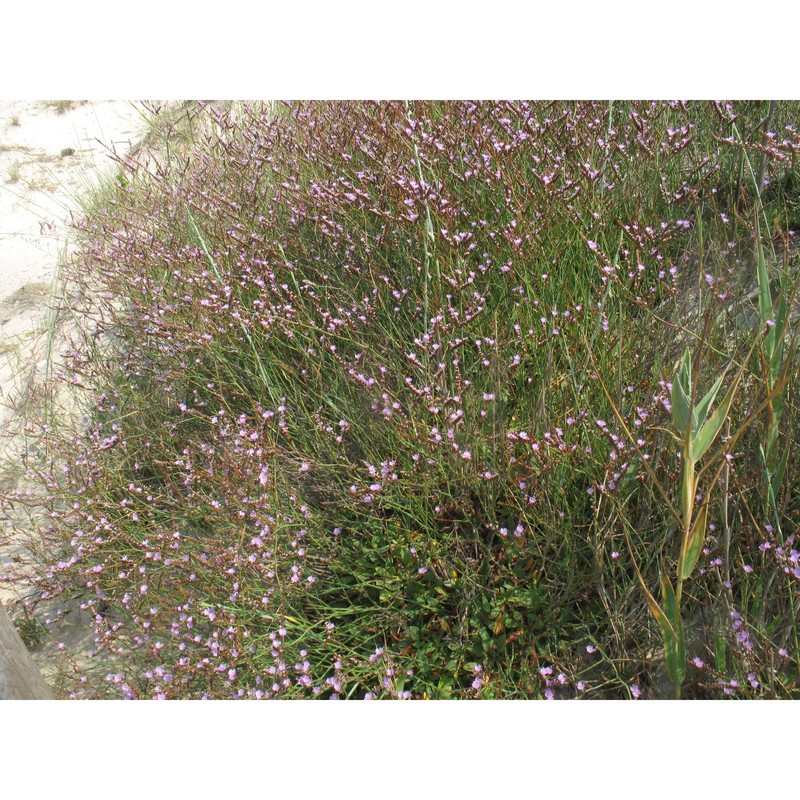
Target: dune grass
column 380, row 402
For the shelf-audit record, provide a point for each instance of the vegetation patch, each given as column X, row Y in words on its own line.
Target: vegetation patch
column 407, row 400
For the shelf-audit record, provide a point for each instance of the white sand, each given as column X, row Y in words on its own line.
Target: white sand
column 38, row 185
column 49, row 155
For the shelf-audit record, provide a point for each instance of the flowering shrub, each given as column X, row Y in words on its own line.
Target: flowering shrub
column 350, row 392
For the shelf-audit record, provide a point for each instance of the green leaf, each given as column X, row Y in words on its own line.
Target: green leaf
column 777, row 479
column 764, row 295
column 668, row 632
column 706, row 435
column 658, row 613
column 775, row 421
column 668, row 596
column 681, row 389
column 774, row 342
column 693, row 545
column 674, row 649
column 444, row 691
column 675, row 655
column 702, row 407
column 688, row 487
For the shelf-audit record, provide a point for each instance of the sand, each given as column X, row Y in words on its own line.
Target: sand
column 51, row 153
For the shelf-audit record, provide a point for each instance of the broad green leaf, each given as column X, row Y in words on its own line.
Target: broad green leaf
column 658, row 613
column 674, row 649
column 668, row 595
column 706, row 435
column 668, row 633
column 694, row 544
column 702, row 407
column 675, row 655
column 681, row 390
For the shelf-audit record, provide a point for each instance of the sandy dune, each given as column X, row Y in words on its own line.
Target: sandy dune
column 51, row 152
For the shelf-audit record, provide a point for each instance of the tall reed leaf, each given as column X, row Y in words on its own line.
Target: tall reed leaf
column 681, row 392
column 693, row 544
column 708, row 433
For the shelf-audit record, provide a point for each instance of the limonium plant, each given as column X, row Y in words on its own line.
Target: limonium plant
column 369, row 398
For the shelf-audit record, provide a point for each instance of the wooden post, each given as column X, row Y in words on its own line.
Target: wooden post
column 20, row 678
